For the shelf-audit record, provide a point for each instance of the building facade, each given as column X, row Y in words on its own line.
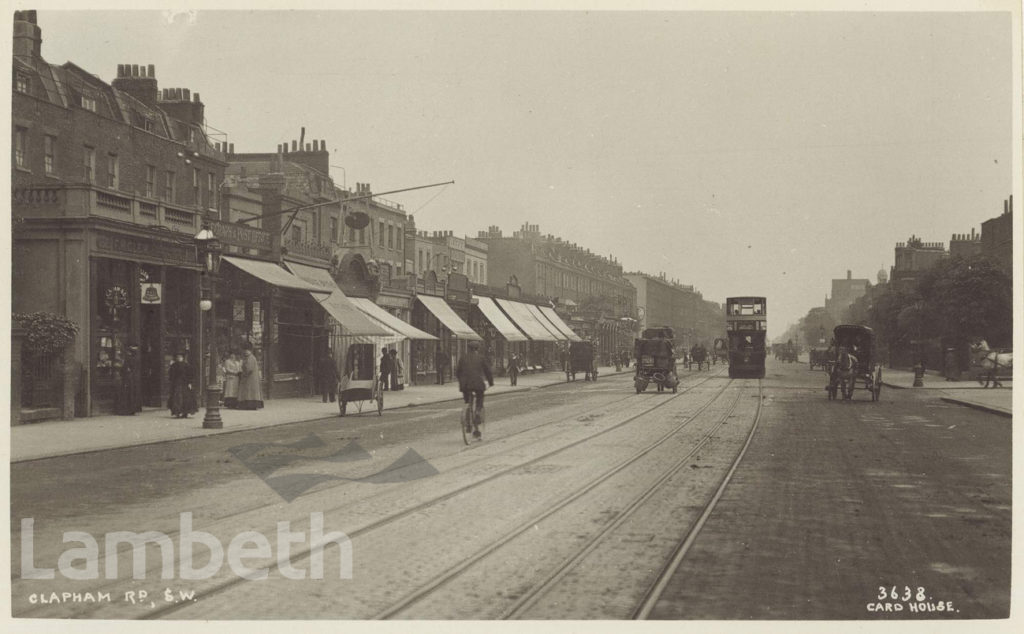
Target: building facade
column 997, row 238
column 844, row 293
column 110, row 183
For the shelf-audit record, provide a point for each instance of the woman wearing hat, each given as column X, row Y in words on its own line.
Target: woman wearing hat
column 183, row 400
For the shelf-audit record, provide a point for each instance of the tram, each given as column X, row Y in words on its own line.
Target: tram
column 746, row 323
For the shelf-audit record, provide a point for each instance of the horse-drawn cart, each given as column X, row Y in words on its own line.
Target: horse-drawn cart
column 854, row 362
column 581, row 359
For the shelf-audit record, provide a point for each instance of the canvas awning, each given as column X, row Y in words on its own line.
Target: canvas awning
column 559, row 323
column 447, row 316
column 393, row 323
column 337, row 305
column 498, row 319
column 272, row 274
column 522, row 317
column 543, row 321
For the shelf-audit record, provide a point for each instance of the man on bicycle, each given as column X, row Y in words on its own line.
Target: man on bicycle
column 471, row 371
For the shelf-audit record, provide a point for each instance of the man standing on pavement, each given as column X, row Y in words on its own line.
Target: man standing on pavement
column 471, row 371
column 385, row 368
column 513, row 368
column 441, row 363
column 328, row 375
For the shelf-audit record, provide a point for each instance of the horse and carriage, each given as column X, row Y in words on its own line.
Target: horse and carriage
column 655, row 360
column 581, row 359
column 819, row 358
column 854, row 362
column 990, row 366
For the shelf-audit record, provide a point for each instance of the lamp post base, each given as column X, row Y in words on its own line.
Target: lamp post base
column 212, row 419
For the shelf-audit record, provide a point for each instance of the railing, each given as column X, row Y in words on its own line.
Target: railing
column 36, row 195
column 311, row 249
column 179, row 216
column 112, row 201
column 148, row 210
column 41, row 380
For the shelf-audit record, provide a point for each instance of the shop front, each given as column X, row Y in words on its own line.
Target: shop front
column 144, row 309
column 500, row 335
column 543, row 351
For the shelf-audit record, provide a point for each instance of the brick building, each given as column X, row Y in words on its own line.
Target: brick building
column 844, row 293
column 665, row 302
column 110, row 183
column 997, row 237
column 914, row 256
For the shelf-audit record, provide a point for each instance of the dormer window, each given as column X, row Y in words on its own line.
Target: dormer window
column 147, row 125
column 88, row 102
column 21, row 82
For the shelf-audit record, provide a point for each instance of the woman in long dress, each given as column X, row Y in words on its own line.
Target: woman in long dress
column 232, row 375
column 183, row 400
column 249, row 394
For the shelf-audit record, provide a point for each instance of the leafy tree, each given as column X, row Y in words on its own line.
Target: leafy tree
column 966, row 298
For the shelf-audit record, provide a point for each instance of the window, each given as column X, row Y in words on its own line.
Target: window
column 150, row 181
column 195, row 187
column 147, row 125
column 21, row 82
column 316, row 227
column 169, row 186
column 20, row 144
column 334, row 230
column 420, row 256
column 362, row 236
column 49, row 143
column 112, row 171
column 89, row 163
column 351, row 234
column 88, row 102
column 391, row 237
column 398, row 238
column 210, row 202
column 296, row 233
column 380, row 232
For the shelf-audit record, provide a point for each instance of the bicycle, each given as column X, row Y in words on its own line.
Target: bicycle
column 469, row 412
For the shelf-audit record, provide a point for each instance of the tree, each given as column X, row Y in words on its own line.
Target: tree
column 966, row 298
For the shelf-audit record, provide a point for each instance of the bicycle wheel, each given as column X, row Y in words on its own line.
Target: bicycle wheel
column 480, row 423
column 463, row 421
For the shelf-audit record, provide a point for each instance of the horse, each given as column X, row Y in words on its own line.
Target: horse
column 844, row 372
column 991, row 361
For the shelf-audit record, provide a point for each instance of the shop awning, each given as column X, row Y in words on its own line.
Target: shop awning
column 558, row 323
column 543, row 321
column 447, row 316
column 337, row 305
column 272, row 274
column 521, row 315
column 390, row 321
column 498, row 319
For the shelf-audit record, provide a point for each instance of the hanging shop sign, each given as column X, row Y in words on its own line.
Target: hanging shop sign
column 151, row 293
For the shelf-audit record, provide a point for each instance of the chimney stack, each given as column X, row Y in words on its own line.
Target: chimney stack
column 139, row 84
column 28, row 37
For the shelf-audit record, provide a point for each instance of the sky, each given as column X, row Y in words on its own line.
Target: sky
column 745, row 153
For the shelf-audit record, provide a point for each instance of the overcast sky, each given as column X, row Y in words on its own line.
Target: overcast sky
column 746, row 153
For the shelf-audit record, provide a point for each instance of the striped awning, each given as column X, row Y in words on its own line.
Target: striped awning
column 396, row 325
column 524, row 319
column 444, row 313
column 559, row 323
column 337, row 305
column 498, row 319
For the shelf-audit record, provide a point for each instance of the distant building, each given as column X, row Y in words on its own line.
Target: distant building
column 965, row 245
column 997, row 237
column 844, row 293
column 915, row 256
column 666, row 302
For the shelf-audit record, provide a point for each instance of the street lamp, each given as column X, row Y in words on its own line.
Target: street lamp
column 210, row 250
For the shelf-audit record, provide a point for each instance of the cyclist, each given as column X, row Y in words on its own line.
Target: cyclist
column 471, row 371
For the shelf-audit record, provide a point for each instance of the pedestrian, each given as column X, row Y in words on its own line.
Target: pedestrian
column 250, row 395
column 513, row 368
column 441, row 361
column 397, row 371
column 386, row 368
column 182, row 401
column 232, row 369
column 327, row 376
column 128, row 402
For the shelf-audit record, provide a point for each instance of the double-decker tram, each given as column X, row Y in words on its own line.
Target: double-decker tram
column 746, row 323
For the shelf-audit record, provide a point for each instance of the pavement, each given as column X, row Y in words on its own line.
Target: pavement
column 968, row 393
column 98, row 433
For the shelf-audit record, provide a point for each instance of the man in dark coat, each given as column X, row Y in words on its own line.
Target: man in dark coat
column 471, row 372
column 386, row 368
column 327, row 373
column 441, row 362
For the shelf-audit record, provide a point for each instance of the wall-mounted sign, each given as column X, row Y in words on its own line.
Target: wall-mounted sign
column 238, row 310
column 151, row 293
column 241, row 235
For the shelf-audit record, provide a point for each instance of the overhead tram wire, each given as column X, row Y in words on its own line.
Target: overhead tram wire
column 334, row 202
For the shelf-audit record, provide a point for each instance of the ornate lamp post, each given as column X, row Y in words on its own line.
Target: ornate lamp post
column 210, row 249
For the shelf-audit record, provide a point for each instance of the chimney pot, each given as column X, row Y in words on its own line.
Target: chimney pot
column 294, row 144
column 231, row 148
column 152, row 71
column 195, row 97
column 135, row 70
column 185, row 95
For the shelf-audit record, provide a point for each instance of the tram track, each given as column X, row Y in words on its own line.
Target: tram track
column 447, row 576
column 303, row 554
column 664, row 576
